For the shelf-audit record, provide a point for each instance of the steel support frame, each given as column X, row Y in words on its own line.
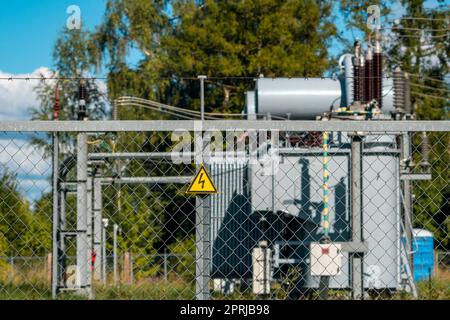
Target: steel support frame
column 202, row 227
column 97, row 226
column 356, row 258
column 407, row 199
column 83, row 240
column 171, row 125
column 56, row 250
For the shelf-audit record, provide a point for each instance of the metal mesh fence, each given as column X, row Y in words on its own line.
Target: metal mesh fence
column 303, row 211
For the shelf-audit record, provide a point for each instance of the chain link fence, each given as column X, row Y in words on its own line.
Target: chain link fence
column 303, row 210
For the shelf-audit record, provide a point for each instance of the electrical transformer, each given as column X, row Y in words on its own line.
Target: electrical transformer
column 282, row 204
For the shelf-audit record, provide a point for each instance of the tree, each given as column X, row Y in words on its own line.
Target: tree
column 356, row 16
column 131, row 24
column 72, row 59
column 21, row 233
column 420, row 47
column 215, row 38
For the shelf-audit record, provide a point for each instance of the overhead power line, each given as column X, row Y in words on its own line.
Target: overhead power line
column 414, row 29
column 177, row 111
column 418, row 18
column 426, row 77
column 428, row 87
column 429, row 96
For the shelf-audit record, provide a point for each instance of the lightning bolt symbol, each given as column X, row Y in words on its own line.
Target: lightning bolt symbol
column 200, row 180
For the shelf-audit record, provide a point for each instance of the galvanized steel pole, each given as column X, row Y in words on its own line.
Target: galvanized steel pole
column 115, row 229
column 202, row 96
column 356, row 198
column 83, row 243
column 56, row 223
column 55, row 235
column 89, row 222
column 104, row 261
column 98, row 226
column 202, row 235
column 62, row 239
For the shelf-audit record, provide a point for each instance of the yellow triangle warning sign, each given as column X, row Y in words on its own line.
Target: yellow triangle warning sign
column 202, row 183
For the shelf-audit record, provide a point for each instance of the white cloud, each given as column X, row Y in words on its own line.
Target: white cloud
column 16, row 153
column 23, row 158
column 17, row 96
column 28, row 163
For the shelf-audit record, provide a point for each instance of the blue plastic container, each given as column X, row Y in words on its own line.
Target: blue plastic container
column 423, row 247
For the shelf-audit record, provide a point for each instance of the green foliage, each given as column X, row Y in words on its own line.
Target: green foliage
column 139, row 218
column 72, row 56
column 186, row 264
column 355, row 15
column 21, row 232
column 424, row 55
column 218, row 38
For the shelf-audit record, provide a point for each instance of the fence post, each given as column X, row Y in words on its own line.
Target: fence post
column 104, row 261
column 127, row 268
column 356, row 198
column 62, row 240
column 202, row 234
column 202, row 249
column 436, row 264
column 49, row 267
column 115, row 228
column 55, row 217
column 165, row 264
column 98, row 228
column 83, row 245
column 89, row 214
column 407, row 201
column 11, row 265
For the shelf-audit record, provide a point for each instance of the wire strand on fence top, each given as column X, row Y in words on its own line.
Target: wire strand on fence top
column 184, row 78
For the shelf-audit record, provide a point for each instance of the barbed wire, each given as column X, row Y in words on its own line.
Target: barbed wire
column 335, row 77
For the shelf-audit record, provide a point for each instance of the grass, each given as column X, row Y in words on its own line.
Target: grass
column 36, row 288
column 153, row 290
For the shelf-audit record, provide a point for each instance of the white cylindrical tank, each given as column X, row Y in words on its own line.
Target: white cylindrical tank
column 297, row 98
column 305, row 99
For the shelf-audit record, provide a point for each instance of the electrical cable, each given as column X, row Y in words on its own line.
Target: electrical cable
column 429, row 88
column 425, row 77
column 429, row 96
column 210, row 115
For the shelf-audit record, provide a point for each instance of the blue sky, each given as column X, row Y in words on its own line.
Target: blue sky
column 28, row 30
